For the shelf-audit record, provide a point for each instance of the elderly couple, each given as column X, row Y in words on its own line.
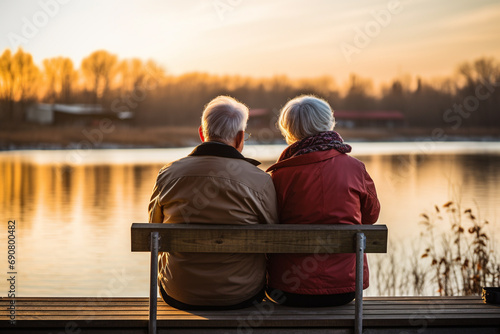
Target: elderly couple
column 314, row 181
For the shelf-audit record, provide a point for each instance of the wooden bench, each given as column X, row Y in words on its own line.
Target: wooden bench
column 207, row 238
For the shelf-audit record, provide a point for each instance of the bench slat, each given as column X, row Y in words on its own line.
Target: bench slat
column 208, row 238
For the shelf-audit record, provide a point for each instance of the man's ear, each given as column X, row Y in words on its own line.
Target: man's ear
column 239, row 140
column 200, row 132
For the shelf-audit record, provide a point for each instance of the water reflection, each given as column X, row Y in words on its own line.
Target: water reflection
column 73, row 224
column 73, row 221
column 410, row 184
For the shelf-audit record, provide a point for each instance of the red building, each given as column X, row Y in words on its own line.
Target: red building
column 369, row 118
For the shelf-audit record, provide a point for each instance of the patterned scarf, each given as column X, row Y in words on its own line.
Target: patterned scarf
column 323, row 141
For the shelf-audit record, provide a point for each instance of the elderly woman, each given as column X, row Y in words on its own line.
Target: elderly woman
column 317, row 183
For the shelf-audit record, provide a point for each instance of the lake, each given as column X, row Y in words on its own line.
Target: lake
column 73, row 209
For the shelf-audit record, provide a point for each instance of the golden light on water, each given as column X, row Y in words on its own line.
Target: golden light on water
column 73, row 222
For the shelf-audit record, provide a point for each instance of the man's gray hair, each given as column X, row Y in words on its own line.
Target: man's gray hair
column 305, row 116
column 223, row 118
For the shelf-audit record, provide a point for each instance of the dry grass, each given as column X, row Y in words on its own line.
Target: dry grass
column 463, row 260
column 53, row 136
column 25, row 135
column 454, row 256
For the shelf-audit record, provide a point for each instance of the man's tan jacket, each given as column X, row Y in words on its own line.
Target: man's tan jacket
column 215, row 184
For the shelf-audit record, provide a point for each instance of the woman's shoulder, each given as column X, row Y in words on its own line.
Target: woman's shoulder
column 351, row 160
column 317, row 161
column 345, row 162
column 307, row 160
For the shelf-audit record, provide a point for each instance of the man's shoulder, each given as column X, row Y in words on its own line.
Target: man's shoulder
column 213, row 166
column 173, row 165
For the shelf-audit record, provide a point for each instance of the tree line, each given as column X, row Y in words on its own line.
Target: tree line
column 470, row 97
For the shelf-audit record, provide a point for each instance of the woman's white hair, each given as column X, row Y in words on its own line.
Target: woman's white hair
column 223, row 118
column 305, row 116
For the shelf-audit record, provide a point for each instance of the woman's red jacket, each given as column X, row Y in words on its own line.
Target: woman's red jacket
column 325, row 187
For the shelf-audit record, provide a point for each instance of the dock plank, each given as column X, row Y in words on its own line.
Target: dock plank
column 132, row 313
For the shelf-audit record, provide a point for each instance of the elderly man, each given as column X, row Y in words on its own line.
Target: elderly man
column 215, row 184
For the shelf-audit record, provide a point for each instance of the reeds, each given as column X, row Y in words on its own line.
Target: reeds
column 454, row 256
column 462, row 260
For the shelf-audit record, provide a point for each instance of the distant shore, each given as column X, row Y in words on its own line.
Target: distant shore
column 29, row 136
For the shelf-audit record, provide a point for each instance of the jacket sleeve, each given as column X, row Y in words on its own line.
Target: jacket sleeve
column 269, row 204
column 370, row 205
column 155, row 210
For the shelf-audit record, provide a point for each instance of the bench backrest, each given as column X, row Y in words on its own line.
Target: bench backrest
column 208, row 238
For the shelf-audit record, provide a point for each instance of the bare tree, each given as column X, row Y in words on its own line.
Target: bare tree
column 60, row 75
column 7, row 78
column 99, row 70
column 480, row 90
column 358, row 94
column 130, row 74
column 19, row 79
column 27, row 76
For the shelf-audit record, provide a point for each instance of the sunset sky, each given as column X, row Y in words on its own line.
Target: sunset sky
column 260, row 37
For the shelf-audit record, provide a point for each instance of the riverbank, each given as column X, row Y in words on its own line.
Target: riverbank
column 30, row 136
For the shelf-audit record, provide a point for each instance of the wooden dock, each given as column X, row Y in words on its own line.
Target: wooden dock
column 130, row 315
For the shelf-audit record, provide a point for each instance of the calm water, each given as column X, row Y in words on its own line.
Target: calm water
column 74, row 209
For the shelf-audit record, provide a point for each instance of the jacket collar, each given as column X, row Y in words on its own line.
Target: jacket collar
column 220, row 150
column 304, row 159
